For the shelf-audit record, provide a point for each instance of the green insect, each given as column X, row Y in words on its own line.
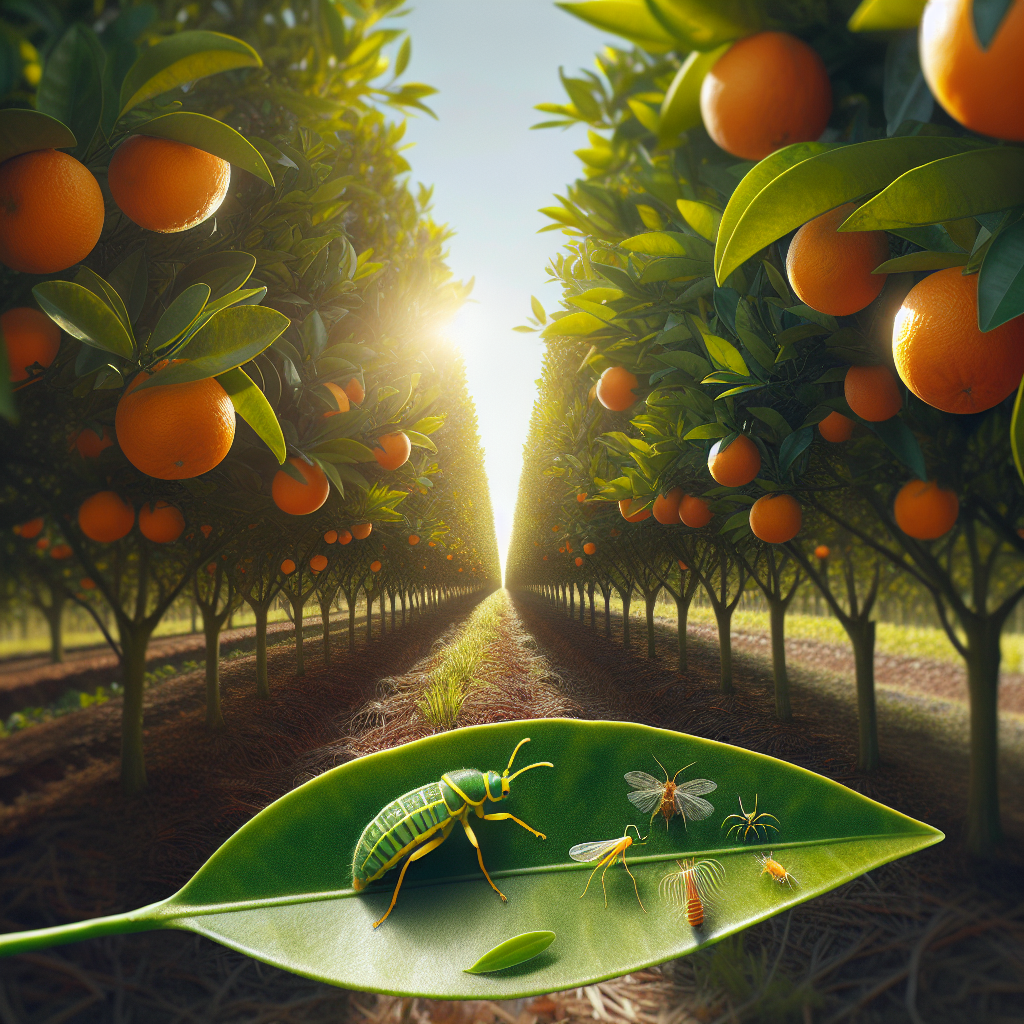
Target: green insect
column 422, row 819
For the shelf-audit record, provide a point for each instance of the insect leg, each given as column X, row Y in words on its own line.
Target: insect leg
column 416, row 855
column 480, row 857
column 635, row 889
column 603, row 860
column 502, row 816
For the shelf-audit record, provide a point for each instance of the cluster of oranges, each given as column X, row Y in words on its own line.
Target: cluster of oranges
column 106, row 517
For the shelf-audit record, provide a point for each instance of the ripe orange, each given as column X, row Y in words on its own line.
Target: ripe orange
column 375, row 567
column 175, row 431
column 627, row 513
column 694, row 512
column 544, row 559
column 615, row 389
column 941, row 354
column 340, row 399
column 414, row 539
column 344, row 537
column 31, row 529
column 581, row 497
column 331, row 537
column 666, row 507
column 982, row 89
column 579, row 561
column 822, row 551
column 395, row 452
column 161, row 522
column 355, row 391
column 30, row 337
column 767, row 91
column 164, row 185
column 924, row 510
column 61, row 551
column 775, row 518
column 836, row 427
column 105, row 517
column 51, row 212
column 830, row 270
column 362, row 530
column 318, row 563
column 300, row 499
column 872, row 392
column 431, row 544
column 90, row 444
column 737, row 465
column 450, row 557
column 86, row 583
column 683, row 567
column 43, row 543
column 589, row 548
column 287, row 567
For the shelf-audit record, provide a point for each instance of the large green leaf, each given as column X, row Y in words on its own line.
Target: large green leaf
column 627, row 18
column 84, row 315
column 22, row 131
column 179, row 316
column 573, row 325
column 680, row 109
column 224, row 272
column 280, row 888
column 228, row 339
column 71, row 89
column 962, row 185
column 1001, row 280
column 669, row 243
column 181, row 58
column 251, row 404
column 706, row 24
column 789, row 194
column 211, row 136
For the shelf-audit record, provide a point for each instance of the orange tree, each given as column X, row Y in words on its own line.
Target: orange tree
column 839, row 364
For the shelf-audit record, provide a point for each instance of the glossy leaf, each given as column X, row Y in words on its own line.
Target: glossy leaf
column 179, row 316
column 915, row 261
column 886, row 15
column 627, row 18
column 787, row 191
column 84, row 315
column 1001, row 279
column 702, row 218
column 706, row 24
column 988, row 15
column 575, row 324
column 71, row 89
column 211, row 136
column 105, row 292
column 181, row 58
column 224, row 272
column 512, row 952
column 251, row 404
column 421, row 440
column 680, row 109
column 668, row 243
column 962, row 185
column 900, row 440
column 906, row 96
column 725, row 355
column 22, row 131
column 130, row 279
column 279, row 889
column 229, row 339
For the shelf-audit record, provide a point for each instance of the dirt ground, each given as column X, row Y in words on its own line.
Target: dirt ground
column 931, row 938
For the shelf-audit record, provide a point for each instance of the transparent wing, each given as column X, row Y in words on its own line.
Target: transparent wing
column 593, row 851
column 697, row 787
column 645, row 800
column 641, row 780
column 694, row 808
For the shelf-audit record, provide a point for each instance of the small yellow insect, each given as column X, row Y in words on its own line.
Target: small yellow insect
column 746, row 822
column 775, row 870
column 605, row 852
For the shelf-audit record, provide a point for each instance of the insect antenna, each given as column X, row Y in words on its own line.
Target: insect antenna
column 683, row 769
column 540, row 764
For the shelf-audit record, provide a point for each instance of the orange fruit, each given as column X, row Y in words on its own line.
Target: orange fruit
column 287, row 567
column 589, row 548
column 666, row 507
column 362, row 530
column 175, row 431
column 561, row 551
column 568, row 547
column 872, row 392
column 766, row 91
column 51, row 212
column 61, row 551
column 31, row 529
column 375, row 567
column 830, row 270
column 544, row 559
column 43, row 543
column 318, row 563
column 627, row 513
column 164, row 185
column 30, row 337
column 941, row 354
column 344, row 537
column 737, row 465
column 822, row 551
column 354, row 390
column 90, row 444
column 450, row 557
column 340, row 399
column 300, row 499
column 836, row 427
column 683, row 567
column 161, row 522
column 431, row 544
column 925, row 511
column 87, row 584
column 395, row 451
column 414, row 539
column 615, row 389
column 579, row 561
column 694, row 512
column 982, row 89
column 331, row 537
column 775, row 518
column 581, row 497
column 105, row 517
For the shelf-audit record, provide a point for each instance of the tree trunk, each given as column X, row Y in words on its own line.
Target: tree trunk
column 211, row 629
column 862, row 636
column 626, row 599
column 777, row 617
column 984, row 829
column 383, row 615
column 54, row 619
column 572, row 600
column 723, row 616
column 325, row 621
column 607, row 612
column 682, row 613
column 392, row 595
column 369, row 618
column 134, row 642
column 403, row 607
column 351, row 622
column 262, row 682
column 590, row 594
column 300, row 665
column 649, row 603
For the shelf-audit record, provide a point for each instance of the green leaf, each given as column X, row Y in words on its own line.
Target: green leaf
column 130, row 279
column 573, row 325
column 1001, row 280
column 251, row 404
column 793, row 446
column 627, row 18
column 706, row 24
column 680, row 109
column 915, row 261
column 108, row 294
column 71, row 89
column 696, row 366
column 8, row 409
column 421, row 440
column 224, row 272
column 706, row 431
column 900, row 440
column 702, row 218
column 1017, row 431
column 800, row 182
column 886, row 15
column 725, row 355
column 22, row 131
column 538, row 310
column 211, row 136
column 85, row 316
column 774, row 419
column 906, row 96
column 346, row 449
column 668, row 243
column 179, row 316
column 228, row 339
column 988, row 16
column 673, row 268
column 181, row 58
column 962, row 185
column 512, row 951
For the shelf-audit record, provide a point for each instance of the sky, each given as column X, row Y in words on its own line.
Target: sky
column 492, row 61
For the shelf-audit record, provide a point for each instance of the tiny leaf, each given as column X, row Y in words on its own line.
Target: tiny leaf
column 512, row 951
